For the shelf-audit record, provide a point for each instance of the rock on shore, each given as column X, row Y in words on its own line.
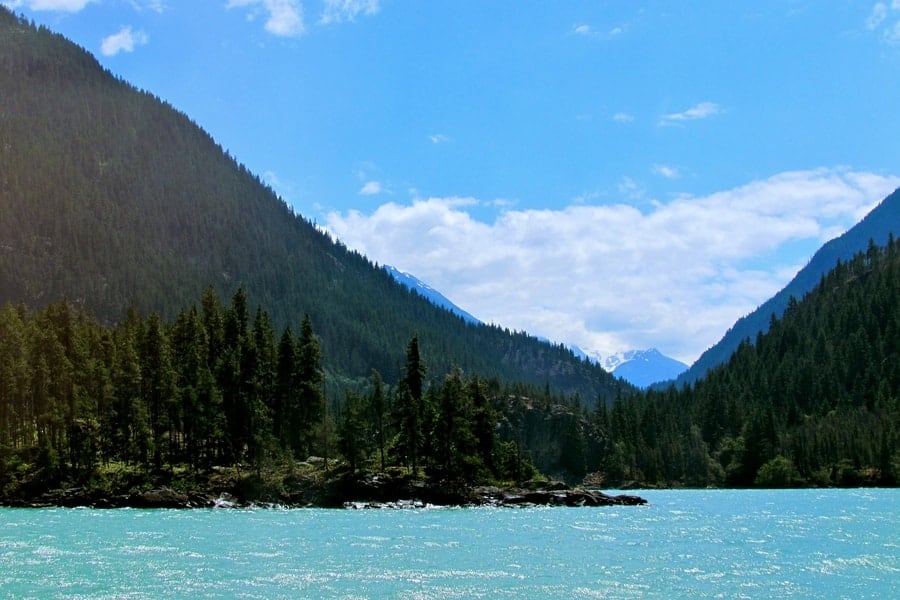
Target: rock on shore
column 368, row 491
column 374, row 492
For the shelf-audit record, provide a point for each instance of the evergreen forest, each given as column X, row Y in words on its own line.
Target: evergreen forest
column 111, row 198
column 218, row 386
column 814, row 401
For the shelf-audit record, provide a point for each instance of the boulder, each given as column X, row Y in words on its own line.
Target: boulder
column 161, row 498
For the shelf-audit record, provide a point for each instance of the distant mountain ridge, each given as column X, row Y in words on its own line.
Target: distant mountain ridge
column 878, row 226
column 426, row 291
column 643, row 368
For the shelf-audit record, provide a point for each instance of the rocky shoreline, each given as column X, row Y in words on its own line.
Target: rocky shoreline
column 515, row 497
column 369, row 492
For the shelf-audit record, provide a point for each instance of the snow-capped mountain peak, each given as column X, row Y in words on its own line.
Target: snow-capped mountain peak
column 643, row 367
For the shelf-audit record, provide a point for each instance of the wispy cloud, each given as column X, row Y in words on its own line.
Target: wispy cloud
column 885, row 19
column 71, row 6
column 438, row 138
column 610, row 277
column 282, row 187
column 370, row 188
column 125, row 40
column 877, row 16
column 581, row 29
column 338, row 11
column 703, row 110
column 666, row 171
column 585, row 30
column 285, row 17
column 623, row 117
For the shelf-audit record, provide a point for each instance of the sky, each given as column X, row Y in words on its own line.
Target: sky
column 612, row 175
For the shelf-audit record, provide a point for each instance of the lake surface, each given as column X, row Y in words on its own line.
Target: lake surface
column 709, row 543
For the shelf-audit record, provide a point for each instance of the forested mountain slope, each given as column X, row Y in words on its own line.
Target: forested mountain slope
column 109, row 197
column 877, row 226
column 814, row 401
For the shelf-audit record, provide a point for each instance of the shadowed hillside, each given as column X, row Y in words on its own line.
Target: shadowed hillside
column 109, row 198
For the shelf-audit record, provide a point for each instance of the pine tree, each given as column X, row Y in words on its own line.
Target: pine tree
column 232, row 367
column 157, row 385
column 378, row 405
column 310, row 375
column 353, row 435
column 411, row 408
column 286, row 408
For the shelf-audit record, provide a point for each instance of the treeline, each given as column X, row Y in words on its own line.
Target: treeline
column 812, row 402
column 217, row 386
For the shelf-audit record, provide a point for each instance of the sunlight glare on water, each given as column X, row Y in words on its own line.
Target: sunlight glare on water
column 774, row 544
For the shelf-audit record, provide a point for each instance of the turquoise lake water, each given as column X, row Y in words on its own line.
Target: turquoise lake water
column 685, row 544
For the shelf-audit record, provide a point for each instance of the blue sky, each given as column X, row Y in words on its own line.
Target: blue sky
column 610, row 174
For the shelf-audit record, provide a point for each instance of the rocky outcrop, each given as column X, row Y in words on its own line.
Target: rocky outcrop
column 565, row 497
column 363, row 491
column 552, row 493
column 162, row 497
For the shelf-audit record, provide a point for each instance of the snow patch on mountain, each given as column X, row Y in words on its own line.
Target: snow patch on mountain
column 429, row 293
column 641, row 368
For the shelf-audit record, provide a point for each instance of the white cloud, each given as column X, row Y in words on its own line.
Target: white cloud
column 438, row 138
column 285, row 17
column 666, row 171
column 892, row 34
column 582, row 29
column 282, row 187
column 610, row 277
column 878, row 15
column 370, row 188
column 623, row 117
column 125, row 40
column 885, row 18
column 631, row 189
column 338, row 11
column 71, row 6
column 588, row 31
column 701, row 111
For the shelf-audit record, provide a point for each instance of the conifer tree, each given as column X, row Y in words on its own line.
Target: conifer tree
column 411, row 408
column 311, row 400
column 157, row 385
column 378, row 405
column 353, row 439
column 285, row 407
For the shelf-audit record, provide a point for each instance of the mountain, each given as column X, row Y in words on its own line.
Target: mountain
column 110, row 198
column 811, row 402
column 877, row 226
column 429, row 293
column 643, row 368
